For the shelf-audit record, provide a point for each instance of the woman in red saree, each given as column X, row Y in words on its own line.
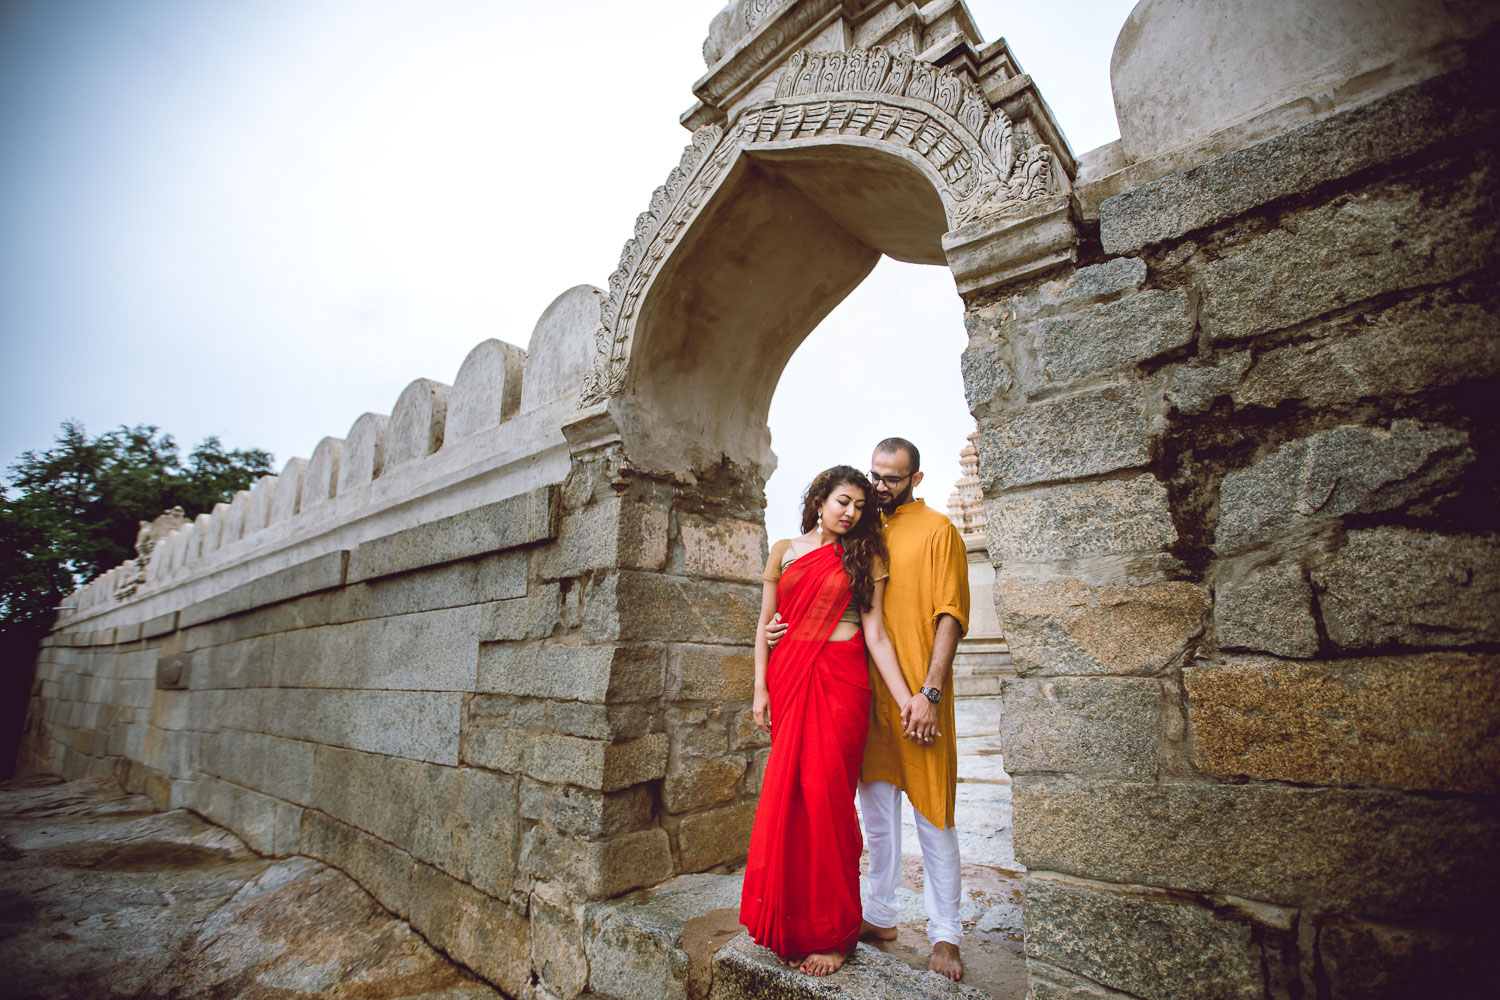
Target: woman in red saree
column 812, row 695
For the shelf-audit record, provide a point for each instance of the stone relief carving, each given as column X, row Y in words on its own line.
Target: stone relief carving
column 982, row 157
column 756, row 11
column 672, row 204
column 985, row 162
column 745, row 63
column 132, row 572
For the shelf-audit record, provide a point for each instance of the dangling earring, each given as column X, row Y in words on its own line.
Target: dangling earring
column 820, row 525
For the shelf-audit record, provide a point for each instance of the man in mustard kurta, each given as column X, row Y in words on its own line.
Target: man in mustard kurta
column 926, row 613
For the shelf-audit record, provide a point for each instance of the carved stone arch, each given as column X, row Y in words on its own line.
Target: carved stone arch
column 976, row 160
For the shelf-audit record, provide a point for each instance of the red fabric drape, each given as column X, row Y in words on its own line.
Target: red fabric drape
column 801, row 891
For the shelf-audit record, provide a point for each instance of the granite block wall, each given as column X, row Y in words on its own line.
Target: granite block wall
column 1240, row 474
column 491, row 720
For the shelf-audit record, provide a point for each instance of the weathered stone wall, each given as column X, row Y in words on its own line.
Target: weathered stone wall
column 471, row 716
column 1240, row 469
column 492, row 719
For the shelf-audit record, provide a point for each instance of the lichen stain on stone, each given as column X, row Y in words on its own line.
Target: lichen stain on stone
column 1130, row 630
column 1146, row 630
column 1420, row 722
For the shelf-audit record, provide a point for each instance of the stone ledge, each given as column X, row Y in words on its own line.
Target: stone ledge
column 743, row 970
column 1422, row 722
column 506, row 524
column 1048, row 982
column 1158, row 945
column 160, row 625
column 1303, row 847
column 644, row 946
column 1406, row 122
column 997, row 251
column 319, row 573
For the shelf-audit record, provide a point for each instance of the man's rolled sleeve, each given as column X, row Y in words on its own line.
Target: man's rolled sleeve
column 950, row 583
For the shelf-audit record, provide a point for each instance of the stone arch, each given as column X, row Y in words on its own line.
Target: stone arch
column 771, row 219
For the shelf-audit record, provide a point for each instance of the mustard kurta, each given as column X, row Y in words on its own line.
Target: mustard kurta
column 929, row 576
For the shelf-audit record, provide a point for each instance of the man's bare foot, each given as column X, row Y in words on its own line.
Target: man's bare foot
column 869, row 930
column 945, row 961
column 822, row 963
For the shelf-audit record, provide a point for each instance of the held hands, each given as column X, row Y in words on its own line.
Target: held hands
column 919, row 719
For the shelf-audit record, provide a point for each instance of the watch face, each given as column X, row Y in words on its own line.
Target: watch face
column 933, row 695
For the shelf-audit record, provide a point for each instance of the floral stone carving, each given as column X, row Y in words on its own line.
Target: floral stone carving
column 983, row 160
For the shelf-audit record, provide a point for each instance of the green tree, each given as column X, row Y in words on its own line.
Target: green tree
column 71, row 512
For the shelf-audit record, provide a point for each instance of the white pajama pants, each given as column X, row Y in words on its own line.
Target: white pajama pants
column 880, row 807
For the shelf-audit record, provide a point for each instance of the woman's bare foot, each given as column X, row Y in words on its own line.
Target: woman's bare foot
column 869, row 930
column 822, row 963
column 945, row 961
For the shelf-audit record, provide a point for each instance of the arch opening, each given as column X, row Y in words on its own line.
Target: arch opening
column 786, row 236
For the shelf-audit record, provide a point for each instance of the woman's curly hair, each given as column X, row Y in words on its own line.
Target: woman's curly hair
column 864, row 544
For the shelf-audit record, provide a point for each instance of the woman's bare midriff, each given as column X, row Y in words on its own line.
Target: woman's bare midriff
column 842, row 631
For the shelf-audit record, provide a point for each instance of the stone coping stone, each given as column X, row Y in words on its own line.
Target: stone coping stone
column 524, row 519
column 160, row 625
column 655, row 944
column 1383, row 131
column 743, row 970
column 318, row 573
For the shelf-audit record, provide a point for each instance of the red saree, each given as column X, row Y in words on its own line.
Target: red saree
column 801, row 891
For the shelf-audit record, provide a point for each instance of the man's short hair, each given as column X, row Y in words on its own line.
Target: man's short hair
column 892, row 445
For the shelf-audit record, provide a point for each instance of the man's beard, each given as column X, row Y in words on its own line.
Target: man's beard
column 894, row 500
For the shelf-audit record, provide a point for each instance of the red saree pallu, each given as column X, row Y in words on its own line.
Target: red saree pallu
column 801, row 891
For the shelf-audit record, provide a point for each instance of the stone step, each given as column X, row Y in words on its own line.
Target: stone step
column 977, row 685
column 743, row 970
column 658, row 943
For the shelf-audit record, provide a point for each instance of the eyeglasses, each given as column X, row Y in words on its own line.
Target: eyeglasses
column 891, row 482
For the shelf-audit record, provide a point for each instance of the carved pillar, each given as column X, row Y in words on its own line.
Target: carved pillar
column 983, row 657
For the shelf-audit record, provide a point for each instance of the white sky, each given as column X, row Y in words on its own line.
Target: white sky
column 261, row 219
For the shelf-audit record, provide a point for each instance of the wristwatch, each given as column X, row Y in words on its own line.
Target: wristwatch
column 932, row 694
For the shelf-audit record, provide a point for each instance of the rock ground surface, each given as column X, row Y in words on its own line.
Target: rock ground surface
column 103, row 896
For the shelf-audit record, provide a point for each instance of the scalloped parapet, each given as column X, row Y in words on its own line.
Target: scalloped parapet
column 322, row 483
column 486, row 390
column 364, row 451
column 213, row 530
column 262, row 499
column 234, row 521
column 289, row 490
column 417, row 422
column 562, row 346
column 437, row 438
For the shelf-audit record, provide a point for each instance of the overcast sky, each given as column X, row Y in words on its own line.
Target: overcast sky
column 261, row 219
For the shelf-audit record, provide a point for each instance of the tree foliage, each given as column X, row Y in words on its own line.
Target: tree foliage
column 72, row 512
